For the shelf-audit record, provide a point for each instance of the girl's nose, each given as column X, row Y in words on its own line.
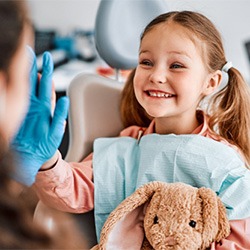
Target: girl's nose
column 159, row 76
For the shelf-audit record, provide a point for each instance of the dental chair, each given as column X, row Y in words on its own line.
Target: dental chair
column 94, row 99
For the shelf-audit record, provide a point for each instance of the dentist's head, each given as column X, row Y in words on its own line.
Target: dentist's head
column 15, row 34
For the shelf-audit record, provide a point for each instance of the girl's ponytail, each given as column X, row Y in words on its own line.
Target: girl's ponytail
column 230, row 112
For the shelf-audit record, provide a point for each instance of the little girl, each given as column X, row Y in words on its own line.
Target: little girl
column 181, row 60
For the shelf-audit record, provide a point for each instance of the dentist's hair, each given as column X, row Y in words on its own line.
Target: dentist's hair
column 13, row 19
column 229, row 108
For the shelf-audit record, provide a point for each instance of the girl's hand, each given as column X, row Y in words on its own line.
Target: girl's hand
column 43, row 127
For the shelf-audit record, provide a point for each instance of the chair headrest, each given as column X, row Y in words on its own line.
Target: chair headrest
column 118, row 26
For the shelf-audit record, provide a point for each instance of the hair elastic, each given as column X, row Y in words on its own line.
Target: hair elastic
column 227, row 66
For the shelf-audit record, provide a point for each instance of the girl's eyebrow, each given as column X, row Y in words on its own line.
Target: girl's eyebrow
column 181, row 53
column 143, row 51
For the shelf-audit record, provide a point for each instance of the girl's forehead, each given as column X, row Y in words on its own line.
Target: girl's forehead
column 175, row 34
column 173, row 28
column 166, row 33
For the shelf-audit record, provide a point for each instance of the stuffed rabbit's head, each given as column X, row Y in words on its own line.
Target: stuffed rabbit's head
column 166, row 216
column 180, row 216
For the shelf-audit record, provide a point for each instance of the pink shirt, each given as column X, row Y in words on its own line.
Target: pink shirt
column 69, row 186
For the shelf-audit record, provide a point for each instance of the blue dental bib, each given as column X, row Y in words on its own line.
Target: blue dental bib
column 123, row 164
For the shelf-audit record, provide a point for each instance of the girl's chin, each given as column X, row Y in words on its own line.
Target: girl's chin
column 156, row 114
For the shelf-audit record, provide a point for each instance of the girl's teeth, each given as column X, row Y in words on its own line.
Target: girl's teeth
column 154, row 94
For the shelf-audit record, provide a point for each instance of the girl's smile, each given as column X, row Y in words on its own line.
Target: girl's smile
column 159, row 94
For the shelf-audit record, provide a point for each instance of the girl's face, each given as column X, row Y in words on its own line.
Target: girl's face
column 15, row 89
column 171, row 77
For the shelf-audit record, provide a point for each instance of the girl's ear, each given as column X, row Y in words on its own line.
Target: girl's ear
column 213, row 82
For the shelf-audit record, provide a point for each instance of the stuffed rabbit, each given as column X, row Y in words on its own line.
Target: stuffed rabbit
column 161, row 215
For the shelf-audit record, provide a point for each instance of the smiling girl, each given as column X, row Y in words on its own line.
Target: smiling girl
column 181, row 62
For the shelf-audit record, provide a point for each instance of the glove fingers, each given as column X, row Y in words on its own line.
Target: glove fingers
column 33, row 71
column 58, row 122
column 45, row 86
column 33, row 121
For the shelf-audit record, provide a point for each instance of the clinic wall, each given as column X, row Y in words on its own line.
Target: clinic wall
column 63, row 15
column 232, row 17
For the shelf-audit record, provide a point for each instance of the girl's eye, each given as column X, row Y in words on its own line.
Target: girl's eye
column 146, row 63
column 176, row 66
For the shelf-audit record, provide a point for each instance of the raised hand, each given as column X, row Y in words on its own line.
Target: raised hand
column 41, row 132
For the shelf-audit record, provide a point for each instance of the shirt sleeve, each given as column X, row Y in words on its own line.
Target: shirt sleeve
column 67, row 187
column 239, row 238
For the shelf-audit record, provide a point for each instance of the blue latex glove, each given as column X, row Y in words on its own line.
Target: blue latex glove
column 40, row 134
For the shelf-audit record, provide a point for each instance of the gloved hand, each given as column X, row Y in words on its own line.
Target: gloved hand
column 41, row 133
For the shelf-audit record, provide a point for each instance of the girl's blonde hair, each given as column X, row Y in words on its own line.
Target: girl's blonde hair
column 229, row 109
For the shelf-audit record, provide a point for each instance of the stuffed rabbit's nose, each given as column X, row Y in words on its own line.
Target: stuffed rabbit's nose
column 170, row 241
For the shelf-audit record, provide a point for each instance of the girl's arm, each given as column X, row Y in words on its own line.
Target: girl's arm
column 239, row 239
column 67, row 186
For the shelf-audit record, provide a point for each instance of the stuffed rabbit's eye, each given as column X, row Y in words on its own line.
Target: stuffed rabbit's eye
column 192, row 223
column 156, row 219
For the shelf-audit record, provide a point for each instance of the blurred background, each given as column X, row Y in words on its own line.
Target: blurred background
column 232, row 17
column 66, row 28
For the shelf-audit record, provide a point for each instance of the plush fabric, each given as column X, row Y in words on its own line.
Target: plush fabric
column 123, row 164
column 160, row 215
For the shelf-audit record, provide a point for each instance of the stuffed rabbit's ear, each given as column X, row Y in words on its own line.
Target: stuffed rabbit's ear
column 224, row 226
column 124, row 226
column 216, row 225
